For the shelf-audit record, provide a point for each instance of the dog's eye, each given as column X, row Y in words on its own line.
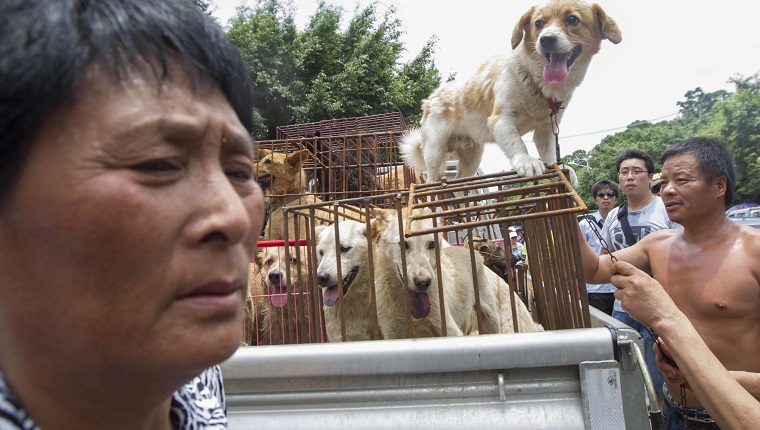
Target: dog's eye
column 270, row 261
column 539, row 24
column 293, row 262
column 268, row 161
column 345, row 248
column 431, row 245
column 321, row 253
column 572, row 20
column 406, row 245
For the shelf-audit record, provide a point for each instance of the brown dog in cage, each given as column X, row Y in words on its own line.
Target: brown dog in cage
column 277, row 307
column 420, row 296
column 354, row 275
column 345, row 167
column 395, row 179
column 283, row 180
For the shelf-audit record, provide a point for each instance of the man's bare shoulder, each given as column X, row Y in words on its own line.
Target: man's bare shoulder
column 661, row 236
column 750, row 240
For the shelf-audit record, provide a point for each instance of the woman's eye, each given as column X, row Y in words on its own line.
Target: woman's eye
column 158, row 166
column 241, row 174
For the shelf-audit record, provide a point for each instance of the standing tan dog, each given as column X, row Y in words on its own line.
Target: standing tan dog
column 508, row 97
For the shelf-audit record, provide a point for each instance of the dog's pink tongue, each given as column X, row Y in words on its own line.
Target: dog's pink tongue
column 555, row 71
column 330, row 296
column 279, row 298
column 420, row 304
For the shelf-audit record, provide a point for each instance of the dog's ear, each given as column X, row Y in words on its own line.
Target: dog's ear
column 296, row 158
column 263, row 153
column 522, row 27
column 607, row 25
column 318, row 231
column 259, row 256
column 378, row 222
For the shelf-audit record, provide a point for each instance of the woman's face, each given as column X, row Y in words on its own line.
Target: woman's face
column 125, row 242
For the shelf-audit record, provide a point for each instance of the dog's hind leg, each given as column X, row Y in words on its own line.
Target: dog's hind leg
column 435, row 153
column 469, row 154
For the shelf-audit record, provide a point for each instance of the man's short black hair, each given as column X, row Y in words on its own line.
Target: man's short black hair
column 49, row 45
column 714, row 160
column 604, row 185
column 635, row 153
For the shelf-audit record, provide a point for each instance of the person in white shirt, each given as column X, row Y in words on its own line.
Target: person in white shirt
column 605, row 193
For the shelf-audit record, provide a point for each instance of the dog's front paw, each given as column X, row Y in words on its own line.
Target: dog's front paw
column 571, row 175
column 527, row 166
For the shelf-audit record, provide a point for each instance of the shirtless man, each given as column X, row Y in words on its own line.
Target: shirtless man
column 709, row 267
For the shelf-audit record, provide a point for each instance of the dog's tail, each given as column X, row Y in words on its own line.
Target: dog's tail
column 411, row 149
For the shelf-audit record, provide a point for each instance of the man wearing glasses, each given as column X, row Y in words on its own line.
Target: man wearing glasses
column 600, row 296
column 628, row 223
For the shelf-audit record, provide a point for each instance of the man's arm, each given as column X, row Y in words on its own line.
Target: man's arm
column 598, row 269
column 728, row 403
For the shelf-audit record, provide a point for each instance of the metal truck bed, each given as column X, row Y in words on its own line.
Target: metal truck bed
column 563, row 379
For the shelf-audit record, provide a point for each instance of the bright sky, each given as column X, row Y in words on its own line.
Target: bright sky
column 668, row 48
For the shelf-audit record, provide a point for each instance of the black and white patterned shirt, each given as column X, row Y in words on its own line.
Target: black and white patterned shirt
column 198, row 405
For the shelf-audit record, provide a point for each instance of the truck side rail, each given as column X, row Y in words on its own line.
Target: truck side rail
column 568, row 379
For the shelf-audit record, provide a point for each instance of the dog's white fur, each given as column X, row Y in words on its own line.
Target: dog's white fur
column 507, row 97
column 356, row 302
column 393, row 295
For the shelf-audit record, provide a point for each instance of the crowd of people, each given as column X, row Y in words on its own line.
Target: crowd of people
column 682, row 269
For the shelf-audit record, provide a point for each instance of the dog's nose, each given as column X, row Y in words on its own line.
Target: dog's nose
column 275, row 278
column 422, row 282
column 548, row 40
column 323, row 279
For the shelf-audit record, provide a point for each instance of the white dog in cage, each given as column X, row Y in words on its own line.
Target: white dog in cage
column 354, row 277
column 419, row 296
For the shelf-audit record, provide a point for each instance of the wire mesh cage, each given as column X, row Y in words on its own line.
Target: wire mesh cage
column 395, row 265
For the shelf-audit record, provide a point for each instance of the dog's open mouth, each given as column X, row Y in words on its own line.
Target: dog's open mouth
column 330, row 294
column 557, row 65
column 419, row 304
column 265, row 181
column 278, row 295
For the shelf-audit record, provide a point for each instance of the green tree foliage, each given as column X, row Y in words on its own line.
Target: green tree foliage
column 326, row 72
column 266, row 36
column 733, row 117
column 741, row 131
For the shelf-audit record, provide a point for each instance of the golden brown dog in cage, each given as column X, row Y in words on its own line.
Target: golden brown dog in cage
column 354, row 274
column 395, row 179
column 420, row 296
column 284, row 182
column 278, row 308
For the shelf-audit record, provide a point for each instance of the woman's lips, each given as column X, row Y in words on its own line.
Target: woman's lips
column 216, row 297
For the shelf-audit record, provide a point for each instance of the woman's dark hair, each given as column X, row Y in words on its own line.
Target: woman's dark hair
column 713, row 158
column 48, row 46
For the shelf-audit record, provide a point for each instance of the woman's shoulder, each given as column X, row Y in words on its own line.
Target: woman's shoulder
column 200, row 404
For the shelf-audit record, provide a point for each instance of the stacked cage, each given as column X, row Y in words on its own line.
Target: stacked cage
column 350, row 193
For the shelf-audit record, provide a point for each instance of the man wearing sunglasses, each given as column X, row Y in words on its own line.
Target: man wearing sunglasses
column 600, row 296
